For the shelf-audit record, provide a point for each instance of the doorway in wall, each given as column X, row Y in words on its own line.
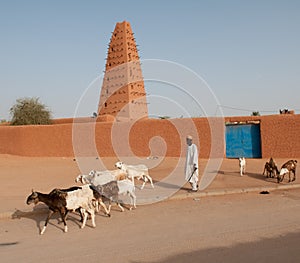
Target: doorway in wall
column 243, row 140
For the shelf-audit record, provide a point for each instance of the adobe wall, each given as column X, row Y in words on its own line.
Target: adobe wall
column 38, row 140
column 279, row 137
column 140, row 137
column 279, row 134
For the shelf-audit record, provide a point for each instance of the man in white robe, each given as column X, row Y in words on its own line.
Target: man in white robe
column 191, row 163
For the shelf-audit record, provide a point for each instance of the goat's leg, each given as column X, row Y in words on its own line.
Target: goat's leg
column 290, row 176
column 278, row 178
column 269, row 175
column 146, row 178
column 150, row 179
column 81, row 216
column 92, row 213
column 116, row 198
column 64, row 219
column 105, row 208
column 282, row 177
column 109, row 207
column 46, row 222
column 66, row 216
column 119, row 205
column 67, row 213
column 133, row 199
column 294, row 178
column 143, row 185
column 93, row 219
column 85, row 215
column 132, row 178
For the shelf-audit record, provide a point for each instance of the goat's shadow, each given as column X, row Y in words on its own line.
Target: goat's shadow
column 235, row 174
column 256, row 176
column 167, row 185
column 161, row 184
column 262, row 177
column 39, row 215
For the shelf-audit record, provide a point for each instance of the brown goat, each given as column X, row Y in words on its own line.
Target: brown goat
column 288, row 167
column 271, row 169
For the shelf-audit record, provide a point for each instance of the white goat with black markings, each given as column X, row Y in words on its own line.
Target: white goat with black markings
column 100, row 178
column 139, row 171
column 113, row 189
column 63, row 201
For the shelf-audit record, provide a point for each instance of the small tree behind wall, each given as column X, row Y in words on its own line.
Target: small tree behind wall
column 29, row 111
column 255, row 113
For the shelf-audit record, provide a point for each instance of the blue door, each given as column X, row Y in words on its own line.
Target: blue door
column 243, row 140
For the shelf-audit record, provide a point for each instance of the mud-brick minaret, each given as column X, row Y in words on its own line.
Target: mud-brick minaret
column 123, row 93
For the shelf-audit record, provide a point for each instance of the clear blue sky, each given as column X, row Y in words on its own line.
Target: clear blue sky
column 247, row 51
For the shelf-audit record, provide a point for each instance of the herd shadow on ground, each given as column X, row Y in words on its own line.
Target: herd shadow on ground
column 39, row 215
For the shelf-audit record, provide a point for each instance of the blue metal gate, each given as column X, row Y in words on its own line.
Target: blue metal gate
column 243, row 140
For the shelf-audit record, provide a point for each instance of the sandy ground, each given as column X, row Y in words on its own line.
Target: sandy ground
column 232, row 228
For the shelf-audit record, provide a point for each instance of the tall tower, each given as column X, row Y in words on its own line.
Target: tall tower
column 123, row 93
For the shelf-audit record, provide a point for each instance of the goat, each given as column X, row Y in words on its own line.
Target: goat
column 139, row 171
column 270, row 169
column 100, row 177
column 242, row 164
column 113, row 189
column 82, row 198
column 288, row 167
column 72, row 188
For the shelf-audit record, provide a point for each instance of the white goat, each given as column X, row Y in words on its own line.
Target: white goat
column 242, row 164
column 113, row 189
column 139, row 171
column 100, row 177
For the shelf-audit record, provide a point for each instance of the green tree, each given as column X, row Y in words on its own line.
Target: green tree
column 29, row 111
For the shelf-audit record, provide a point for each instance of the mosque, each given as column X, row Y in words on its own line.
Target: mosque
column 123, row 93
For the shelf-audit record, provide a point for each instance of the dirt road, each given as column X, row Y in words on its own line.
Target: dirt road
column 234, row 228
